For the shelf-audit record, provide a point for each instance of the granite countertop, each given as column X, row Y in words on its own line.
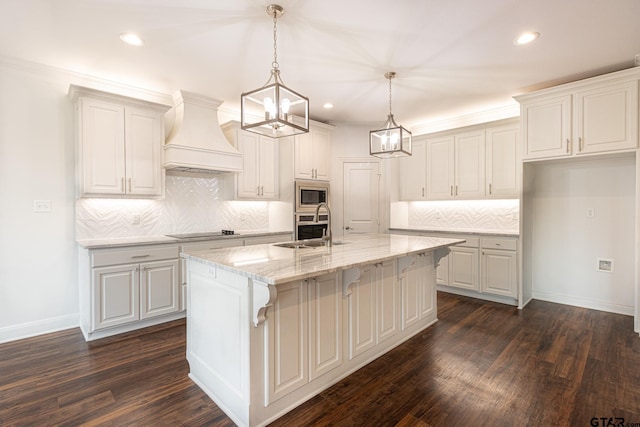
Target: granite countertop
column 157, row 240
column 274, row 265
column 498, row 233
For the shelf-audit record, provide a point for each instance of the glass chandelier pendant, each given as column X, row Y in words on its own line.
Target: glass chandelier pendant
column 274, row 110
column 392, row 140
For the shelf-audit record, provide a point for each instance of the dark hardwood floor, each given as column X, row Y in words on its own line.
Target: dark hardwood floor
column 481, row 364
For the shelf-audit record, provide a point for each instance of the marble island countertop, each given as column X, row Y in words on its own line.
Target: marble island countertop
column 274, row 265
column 436, row 230
column 164, row 239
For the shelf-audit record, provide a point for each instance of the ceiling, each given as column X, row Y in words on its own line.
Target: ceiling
column 451, row 57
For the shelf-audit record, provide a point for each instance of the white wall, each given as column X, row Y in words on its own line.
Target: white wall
column 38, row 280
column 566, row 243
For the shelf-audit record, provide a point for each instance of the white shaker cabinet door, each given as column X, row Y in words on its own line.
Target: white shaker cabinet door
column 469, row 165
column 412, row 171
column 269, row 170
column 502, row 163
column 143, row 150
column 546, row 126
column 159, row 288
column 440, row 168
column 606, row 118
column 499, row 274
column 103, row 154
column 115, row 295
column 325, row 324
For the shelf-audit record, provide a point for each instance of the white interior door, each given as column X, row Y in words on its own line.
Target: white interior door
column 361, row 198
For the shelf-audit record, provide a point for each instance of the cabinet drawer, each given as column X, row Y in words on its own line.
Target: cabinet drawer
column 104, row 257
column 470, row 241
column 499, row 243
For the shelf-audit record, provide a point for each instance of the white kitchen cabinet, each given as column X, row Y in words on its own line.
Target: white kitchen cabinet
column 325, row 324
column 119, row 145
column 287, row 341
column 260, row 179
column 418, row 292
column 373, row 307
column 464, row 268
column 128, row 288
column 455, row 166
column 499, row 266
column 159, row 288
column 502, row 162
column 412, row 172
column 595, row 115
column 311, row 153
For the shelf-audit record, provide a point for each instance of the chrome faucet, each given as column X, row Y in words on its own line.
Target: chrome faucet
column 326, row 237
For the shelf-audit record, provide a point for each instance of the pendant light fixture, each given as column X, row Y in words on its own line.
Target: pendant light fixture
column 392, row 140
column 274, row 110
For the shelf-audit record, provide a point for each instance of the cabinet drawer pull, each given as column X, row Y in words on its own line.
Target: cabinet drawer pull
column 567, row 145
column 129, row 185
column 456, row 190
column 422, row 191
column 140, row 256
column 580, row 143
column 122, row 184
column 489, row 188
column 452, row 190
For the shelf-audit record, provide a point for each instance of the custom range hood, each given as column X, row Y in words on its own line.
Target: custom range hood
column 194, row 140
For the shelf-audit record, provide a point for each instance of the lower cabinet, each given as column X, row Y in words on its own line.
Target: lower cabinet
column 483, row 266
column 317, row 326
column 128, row 288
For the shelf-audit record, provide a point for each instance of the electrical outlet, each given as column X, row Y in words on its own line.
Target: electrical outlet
column 42, row 206
column 591, row 212
column 605, row 265
column 135, row 219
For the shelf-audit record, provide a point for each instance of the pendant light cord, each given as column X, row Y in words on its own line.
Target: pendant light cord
column 390, row 95
column 275, row 64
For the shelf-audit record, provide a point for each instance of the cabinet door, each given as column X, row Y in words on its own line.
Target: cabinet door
column 440, row 164
column 427, row 286
column 499, row 275
column 303, row 164
column 410, row 286
column 102, row 144
column 546, row 127
column 287, row 334
column 442, row 271
column 412, row 172
column 362, row 313
column 269, row 179
column 387, row 296
column 469, row 165
column 116, row 293
column 606, row 118
column 502, row 163
column 143, row 152
column 321, row 146
column 325, row 324
column 159, row 288
column 247, row 181
column 463, row 268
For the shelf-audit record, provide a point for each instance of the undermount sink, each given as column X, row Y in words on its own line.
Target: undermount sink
column 301, row 244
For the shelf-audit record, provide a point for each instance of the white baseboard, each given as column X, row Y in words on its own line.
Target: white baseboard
column 38, row 327
column 584, row 302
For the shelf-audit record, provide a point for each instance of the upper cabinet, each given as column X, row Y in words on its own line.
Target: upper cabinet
column 119, row 145
column 311, row 153
column 455, row 166
column 260, row 178
column 501, row 162
column 412, row 172
column 596, row 115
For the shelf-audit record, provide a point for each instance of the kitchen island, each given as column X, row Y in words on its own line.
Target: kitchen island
column 269, row 327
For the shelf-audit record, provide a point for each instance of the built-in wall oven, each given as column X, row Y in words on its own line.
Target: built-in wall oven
column 307, row 228
column 309, row 194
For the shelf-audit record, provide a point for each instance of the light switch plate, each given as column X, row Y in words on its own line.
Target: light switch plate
column 42, row 206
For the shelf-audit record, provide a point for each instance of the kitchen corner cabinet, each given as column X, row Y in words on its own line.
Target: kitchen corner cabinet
column 311, row 153
column 501, row 162
column 259, row 179
column 128, row 288
column 412, row 172
column 119, row 145
column 455, row 166
column 596, row 115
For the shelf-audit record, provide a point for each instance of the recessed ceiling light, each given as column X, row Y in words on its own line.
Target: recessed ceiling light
column 525, row 38
column 327, row 105
column 132, row 39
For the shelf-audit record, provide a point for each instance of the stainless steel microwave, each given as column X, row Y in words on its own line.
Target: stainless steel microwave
column 309, row 194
